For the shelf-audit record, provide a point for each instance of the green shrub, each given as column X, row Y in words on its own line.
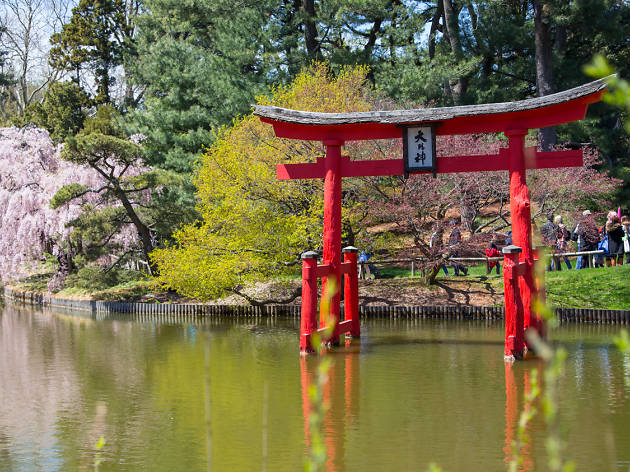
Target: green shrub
column 94, row 278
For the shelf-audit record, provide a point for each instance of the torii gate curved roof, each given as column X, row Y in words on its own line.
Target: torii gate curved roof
column 540, row 112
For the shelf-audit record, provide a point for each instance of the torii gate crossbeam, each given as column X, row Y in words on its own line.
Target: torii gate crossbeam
column 514, row 119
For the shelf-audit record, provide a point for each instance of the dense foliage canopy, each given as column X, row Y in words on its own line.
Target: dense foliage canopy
column 254, row 226
column 184, row 74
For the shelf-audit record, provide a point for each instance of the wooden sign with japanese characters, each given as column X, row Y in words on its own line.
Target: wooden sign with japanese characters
column 419, row 149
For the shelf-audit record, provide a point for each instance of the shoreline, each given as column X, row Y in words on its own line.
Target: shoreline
column 186, row 310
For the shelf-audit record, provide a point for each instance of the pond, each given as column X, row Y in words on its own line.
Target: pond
column 232, row 395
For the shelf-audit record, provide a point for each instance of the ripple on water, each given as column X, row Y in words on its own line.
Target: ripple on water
column 409, row 393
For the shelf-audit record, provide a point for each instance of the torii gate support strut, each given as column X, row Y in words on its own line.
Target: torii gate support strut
column 513, row 119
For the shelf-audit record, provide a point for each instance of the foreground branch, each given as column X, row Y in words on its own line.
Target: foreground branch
column 296, row 293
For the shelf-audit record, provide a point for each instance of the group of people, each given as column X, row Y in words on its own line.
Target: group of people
column 613, row 238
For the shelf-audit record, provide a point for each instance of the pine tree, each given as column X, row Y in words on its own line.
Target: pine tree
column 6, row 80
column 31, row 174
column 202, row 64
column 128, row 186
column 96, row 38
column 62, row 112
column 5, row 77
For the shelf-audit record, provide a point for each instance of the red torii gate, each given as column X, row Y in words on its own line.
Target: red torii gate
column 514, row 119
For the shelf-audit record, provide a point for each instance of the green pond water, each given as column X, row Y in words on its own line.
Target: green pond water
column 232, row 395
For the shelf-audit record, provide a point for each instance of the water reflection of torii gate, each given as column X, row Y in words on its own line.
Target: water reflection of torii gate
column 334, row 129
column 342, row 395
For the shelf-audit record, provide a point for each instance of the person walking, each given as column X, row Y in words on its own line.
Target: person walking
column 548, row 235
column 492, row 251
column 435, row 243
column 625, row 223
column 454, row 241
column 562, row 241
column 586, row 234
column 615, row 233
column 601, row 260
column 365, row 269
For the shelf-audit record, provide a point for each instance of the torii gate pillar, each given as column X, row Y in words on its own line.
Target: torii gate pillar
column 332, row 234
column 521, row 224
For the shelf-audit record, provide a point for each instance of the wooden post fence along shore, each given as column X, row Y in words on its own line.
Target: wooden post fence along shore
column 204, row 313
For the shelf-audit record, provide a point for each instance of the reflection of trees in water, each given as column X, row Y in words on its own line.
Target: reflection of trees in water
column 38, row 381
column 427, row 391
column 111, row 359
column 141, row 385
column 59, row 374
column 341, row 398
column 517, row 387
column 592, row 397
column 241, row 358
column 6, row 459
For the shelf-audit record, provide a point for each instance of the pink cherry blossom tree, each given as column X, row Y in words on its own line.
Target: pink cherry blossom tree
column 31, row 173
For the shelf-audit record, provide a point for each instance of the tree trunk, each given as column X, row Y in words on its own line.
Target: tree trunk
column 130, row 101
column 392, row 44
column 469, row 213
column 66, row 267
column 544, row 69
column 372, row 38
column 66, row 264
column 561, row 38
column 310, row 29
column 431, row 274
column 451, row 23
column 435, row 24
column 452, row 26
column 143, row 231
column 348, row 233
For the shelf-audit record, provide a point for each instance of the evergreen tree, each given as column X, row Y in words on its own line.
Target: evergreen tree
column 5, row 77
column 202, row 63
column 128, row 186
column 96, row 39
column 62, row 112
column 6, row 80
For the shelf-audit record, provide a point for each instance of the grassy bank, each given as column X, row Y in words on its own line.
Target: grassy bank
column 135, row 290
column 604, row 288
